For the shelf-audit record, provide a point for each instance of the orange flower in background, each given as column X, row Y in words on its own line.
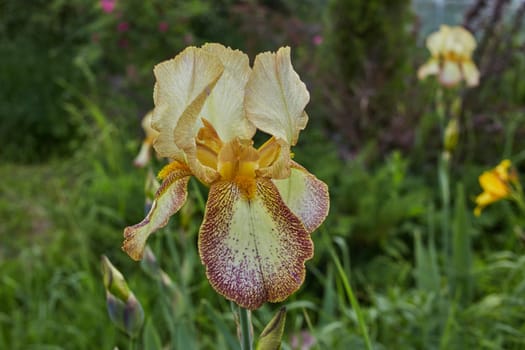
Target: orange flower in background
column 451, row 49
column 496, row 185
column 262, row 206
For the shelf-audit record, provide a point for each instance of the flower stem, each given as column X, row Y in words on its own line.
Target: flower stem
column 444, row 184
column 353, row 301
column 246, row 338
column 442, row 108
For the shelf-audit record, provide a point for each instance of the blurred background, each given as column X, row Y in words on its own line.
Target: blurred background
column 75, row 81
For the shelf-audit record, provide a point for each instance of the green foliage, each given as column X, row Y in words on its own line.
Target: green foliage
column 49, row 46
column 375, row 202
column 136, row 35
column 74, row 83
column 35, row 51
column 369, row 50
column 461, row 265
column 357, row 28
column 405, row 303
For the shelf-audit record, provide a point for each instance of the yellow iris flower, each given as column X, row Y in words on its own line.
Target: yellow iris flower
column 451, row 49
column 496, row 185
column 145, row 150
column 262, row 206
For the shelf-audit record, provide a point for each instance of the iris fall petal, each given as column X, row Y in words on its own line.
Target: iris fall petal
column 254, row 249
column 168, row 200
column 450, row 74
column 429, row 68
column 471, row 73
column 305, row 195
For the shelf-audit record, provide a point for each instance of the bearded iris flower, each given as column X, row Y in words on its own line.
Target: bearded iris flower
column 262, row 206
column 496, row 185
column 451, row 49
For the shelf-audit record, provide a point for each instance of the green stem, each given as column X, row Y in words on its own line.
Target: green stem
column 246, row 338
column 444, row 185
column 444, row 172
column 353, row 301
column 518, row 199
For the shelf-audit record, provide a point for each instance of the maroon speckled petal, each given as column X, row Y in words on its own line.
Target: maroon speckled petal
column 254, row 249
column 305, row 195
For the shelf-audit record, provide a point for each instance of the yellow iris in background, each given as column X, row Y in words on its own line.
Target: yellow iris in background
column 496, row 185
column 262, row 206
column 451, row 61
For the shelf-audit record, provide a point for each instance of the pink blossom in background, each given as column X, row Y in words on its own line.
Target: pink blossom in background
column 108, row 5
column 123, row 43
column 317, row 40
column 123, row 27
column 163, row 27
column 302, row 341
column 132, row 72
column 95, row 37
column 188, row 39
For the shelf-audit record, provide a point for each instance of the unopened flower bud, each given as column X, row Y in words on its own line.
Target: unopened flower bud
column 455, row 108
column 451, row 137
column 270, row 338
column 113, row 280
column 127, row 316
column 124, row 309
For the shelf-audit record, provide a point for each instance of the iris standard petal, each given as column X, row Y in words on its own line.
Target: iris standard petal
column 150, row 133
column 276, row 97
column 168, row 200
column 465, row 39
column 224, row 107
column 436, row 41
column 254, row 249
column 305, row 195
column 183, row 84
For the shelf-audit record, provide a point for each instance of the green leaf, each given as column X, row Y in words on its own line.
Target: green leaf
column 150, row 338
column 426, row 270
column 461, row 283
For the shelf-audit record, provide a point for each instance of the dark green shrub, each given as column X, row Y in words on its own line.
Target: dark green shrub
column 369, row 50
column 36, row 46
